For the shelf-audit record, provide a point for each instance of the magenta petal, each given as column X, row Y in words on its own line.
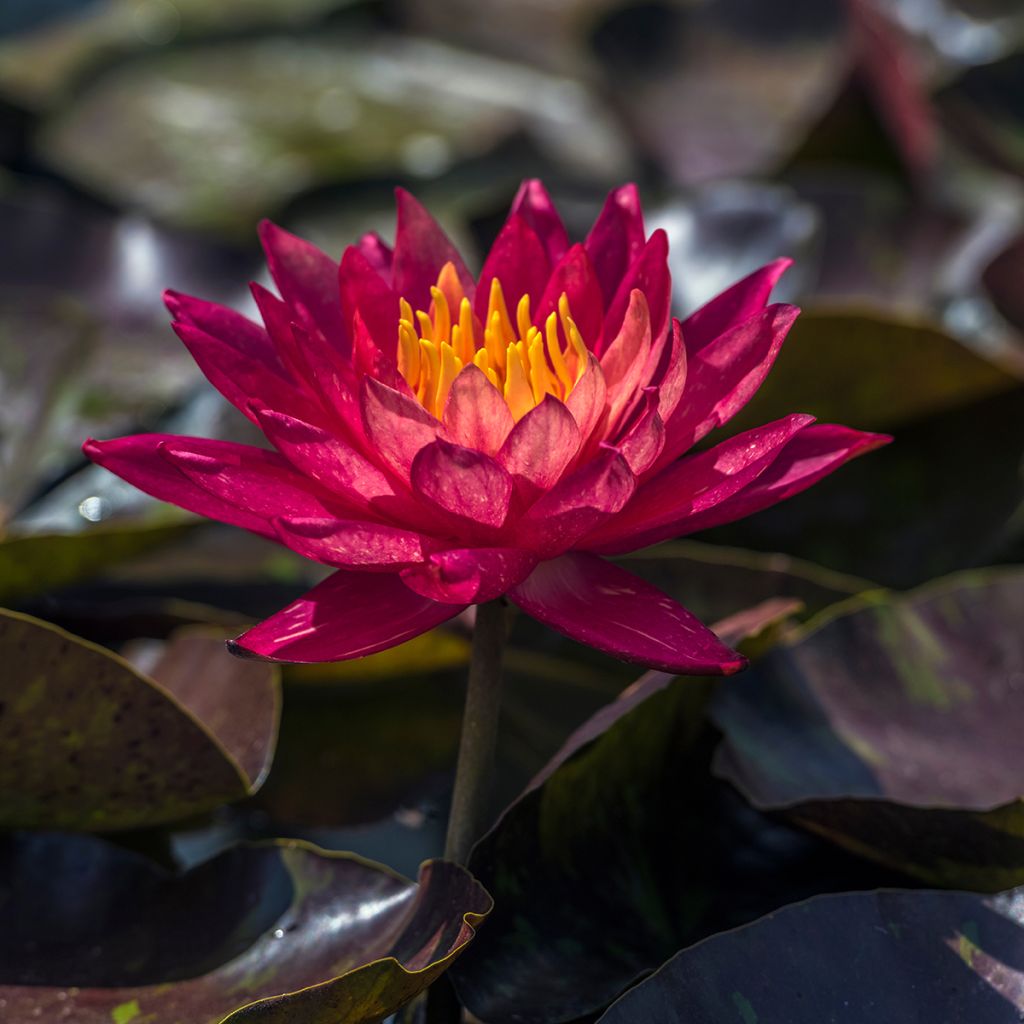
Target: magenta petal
column 318, row 454
column 649, row 274
column 137, row 459
column 475, row 415
column 541, row 446
column 397, row 426
column 534, row 205
column 672, row 381
column 366, row 293
column 813, row 453
column 645, row 438
column 348, row 542
column 469, row 575
column 421, row 250
column 586, row 401
column 254, row 479
column 662, row 507
column 625, row 360
column 462, row 482
column 735, row 305
column 574, row 276
column 308, row 281
column 616, row 238
column 377, row 253
column 606, row 607
column 577, row 504
column 234, row 330
column 723, row 376
column 349, row 615
column 519, row 262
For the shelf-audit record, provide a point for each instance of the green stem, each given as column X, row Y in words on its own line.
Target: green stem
column 473, row 774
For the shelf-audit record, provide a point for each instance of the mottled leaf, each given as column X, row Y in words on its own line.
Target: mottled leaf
column 270, row 932
column 912, row 957
column 892, row 725
column 91, row 743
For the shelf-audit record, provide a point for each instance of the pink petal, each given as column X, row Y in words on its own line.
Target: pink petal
column 616, row 238
column 734, row 306
column 349, row 615
column 534, row 205
column 462, row 482
column 350, row 543
column 587, row 400
column 308, row 281
column 138, row 460
column 377, row 253
column 662, row 507
column 672, row 381
column 366, row 293
column 541, row 446
column 648, row 273
column 338, row 466
column 577, row 504
column 574, row 276
column 469, row 575
column 239, row 377
column 723, row 376
column 475, row 414
column 644, row 439
column 421, row 250
column 519, row 262
column 227, row 326
column 397, row 427
column 604, row 606
column 259, row 481
column 814, row 453
column 625, row 360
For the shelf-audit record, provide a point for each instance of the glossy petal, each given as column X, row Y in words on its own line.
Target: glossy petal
column 377, row 253
column 644, row 439
column 534, row 205
column 350, row 543
column 308, row 282
column 577, row 504
column 137, row 459
column 396, row 426
column 366, row 292
column 648, row 273
column 663, row 506
column 616, row 239
column 737, row 304
column 462, row 482
column 469, row 575
column 421, row 250
column 723, row 377
column 574, row 277
column 233, row 329
column 349, row 615
column 625, row 360
column 586, row 401
column 604, row 606
column 812, row 454
column 541, row 446
column 475, row 414
column 518, row 260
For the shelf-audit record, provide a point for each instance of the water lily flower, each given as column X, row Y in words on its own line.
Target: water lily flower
column 443, row 440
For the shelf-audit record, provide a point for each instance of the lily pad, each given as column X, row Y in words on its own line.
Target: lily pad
column 91, row 743
column 913, row 957
column 892, row 726
column 274, row 932
column 623, row 849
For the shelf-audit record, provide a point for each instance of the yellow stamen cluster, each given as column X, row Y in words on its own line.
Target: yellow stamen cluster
column 522, row 361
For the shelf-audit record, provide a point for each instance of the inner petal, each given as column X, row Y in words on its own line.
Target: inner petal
column 523, row 361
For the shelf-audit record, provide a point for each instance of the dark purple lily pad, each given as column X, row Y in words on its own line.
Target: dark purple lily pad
column 623, row 849
column 270, row 932
column 91, row 743
column 893, row 727
column 913, row 957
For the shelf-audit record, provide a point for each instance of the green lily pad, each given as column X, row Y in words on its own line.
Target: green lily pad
column 623, row 849
column 34, row 563
column 913, row 957
column 91, row 743
column 892, row 726
column 271, row 932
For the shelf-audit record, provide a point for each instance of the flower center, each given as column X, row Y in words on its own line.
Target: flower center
column 523, row 361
